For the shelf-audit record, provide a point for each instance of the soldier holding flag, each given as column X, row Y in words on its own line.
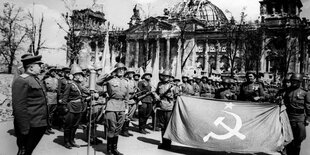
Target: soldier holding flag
column 297, row 101
column 167, row 92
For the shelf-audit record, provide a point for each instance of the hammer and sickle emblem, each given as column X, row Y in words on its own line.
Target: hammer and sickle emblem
column 231, row 132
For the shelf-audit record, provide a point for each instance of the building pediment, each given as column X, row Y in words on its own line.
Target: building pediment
column 151, row 24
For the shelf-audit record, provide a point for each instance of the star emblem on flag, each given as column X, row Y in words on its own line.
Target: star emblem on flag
column 229, row 105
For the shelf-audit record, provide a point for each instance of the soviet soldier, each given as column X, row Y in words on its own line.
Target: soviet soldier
column 145, row 109
column 61, row 85
column 60, row 72
column 195, row 84
column 251, row 90
column 73, row 101
column 136, row 77
column 225, row 92
column 167, row 93
column 187, row 88
column 205, row 88
column 297, row 101
column 132, row 106
column 29, row 106
column 117, row 89
column 50, row 84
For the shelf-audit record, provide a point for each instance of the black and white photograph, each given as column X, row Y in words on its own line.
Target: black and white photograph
column 154, row 77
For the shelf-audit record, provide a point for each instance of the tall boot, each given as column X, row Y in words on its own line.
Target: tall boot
column 72, row 141
column 109, row 146
column 125, row 129
column 114, row 146
column 67, row 134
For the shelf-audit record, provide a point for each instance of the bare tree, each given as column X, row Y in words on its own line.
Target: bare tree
column 235, row 41
column 74, row 42
column 12, row 32
column 35, row 34
column 282, row 50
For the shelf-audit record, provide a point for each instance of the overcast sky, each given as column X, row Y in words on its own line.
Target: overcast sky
column 118, row 12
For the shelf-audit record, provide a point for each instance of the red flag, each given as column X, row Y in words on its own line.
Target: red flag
column 240, row 127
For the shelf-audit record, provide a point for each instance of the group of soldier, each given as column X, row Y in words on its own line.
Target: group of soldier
column 64, row 96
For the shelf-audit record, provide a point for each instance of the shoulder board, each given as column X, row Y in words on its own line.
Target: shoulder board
column 24, row 75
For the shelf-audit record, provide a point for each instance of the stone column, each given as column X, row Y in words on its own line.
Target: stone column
column 127, row 60
column 157, row 55
column 263, row 57
column 168, row 54
column 136, row 64
column 207, row 58
column 217, row 63
column 194, row 53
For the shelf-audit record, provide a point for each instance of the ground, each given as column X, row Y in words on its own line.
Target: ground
column 139, row 144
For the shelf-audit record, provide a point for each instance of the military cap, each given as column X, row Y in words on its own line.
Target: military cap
column 25, row 55
column 145, row 74
column 204, row 77
column 136, row 74
column 98, row 66
column 130, row 70
column 166, row 73
column 58, row 68
column 297, row 77
column 119, row 66
column 28, row 59
column 51, row 68
column 184, row 76
column 65, row 69
column 75, row 69
column 250, row 72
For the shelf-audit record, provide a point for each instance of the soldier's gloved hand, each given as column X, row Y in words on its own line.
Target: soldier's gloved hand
column 126, row 111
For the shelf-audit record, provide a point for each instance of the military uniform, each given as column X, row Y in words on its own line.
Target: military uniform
column 205, row 90
column 297, row 102
column 196, row 89
column 117, row 89
column 29, row 109
column 131, row 106
column 145, row 110
column 73, row 100
column 168, row 93
column 51, row 92
column 187, row 89
column 226, row 94
column 248, row 91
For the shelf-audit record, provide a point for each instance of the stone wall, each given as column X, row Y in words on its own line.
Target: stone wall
column 5, row 97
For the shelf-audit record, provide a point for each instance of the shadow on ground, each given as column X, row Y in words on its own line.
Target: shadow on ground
column 189, row 150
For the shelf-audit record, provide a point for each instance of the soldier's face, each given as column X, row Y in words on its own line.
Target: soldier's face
column 136, row 78
column 36, row 68
column 166, row 78
column 295, row 83
column 120, row 72
column 79, row 77
column 130, row 75
column 251, row 78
